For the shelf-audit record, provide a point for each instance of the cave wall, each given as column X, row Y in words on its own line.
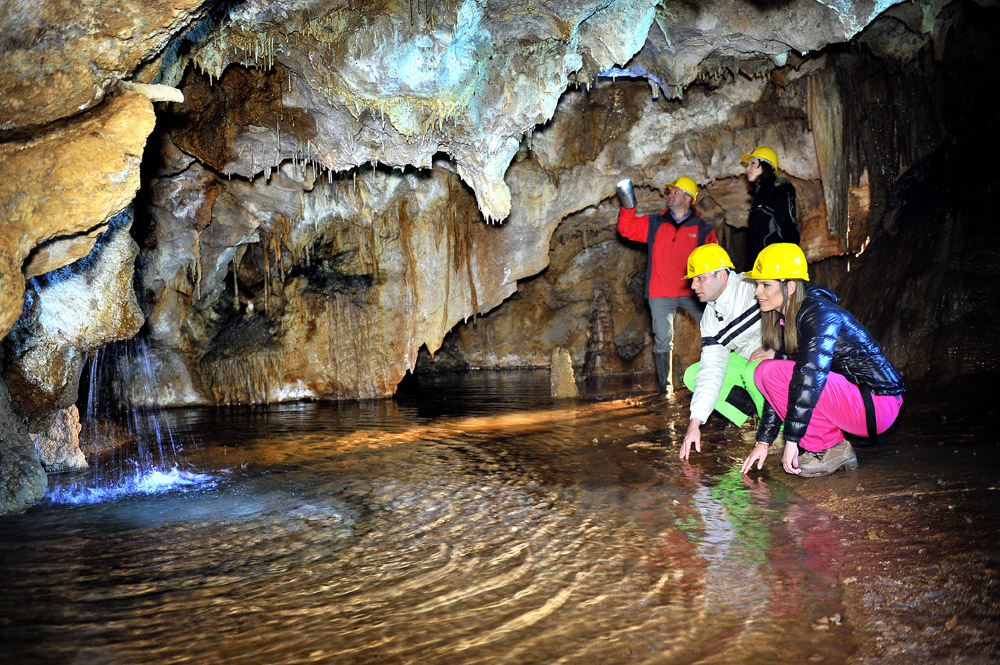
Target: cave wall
column 888, row 140
column 313, row 276
column 271, row 90
column 283, row 292
column 927, row 281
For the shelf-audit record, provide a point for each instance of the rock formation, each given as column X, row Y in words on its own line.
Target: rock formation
column 345, row 184
column 562, row 381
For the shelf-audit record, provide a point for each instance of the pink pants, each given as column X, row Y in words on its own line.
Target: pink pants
column 840, row 407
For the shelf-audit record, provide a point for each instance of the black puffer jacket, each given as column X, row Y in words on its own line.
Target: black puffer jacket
column 830, row 340
column 772, row 217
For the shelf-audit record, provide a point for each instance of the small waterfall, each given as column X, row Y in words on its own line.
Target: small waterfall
column 131, row 450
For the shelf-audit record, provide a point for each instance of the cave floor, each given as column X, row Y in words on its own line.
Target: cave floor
column 920, row 524
column 473, row 519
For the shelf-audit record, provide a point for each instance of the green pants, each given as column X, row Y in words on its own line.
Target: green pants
column 737, row 387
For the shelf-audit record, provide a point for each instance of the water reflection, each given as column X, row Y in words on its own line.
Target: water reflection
column 506, row 528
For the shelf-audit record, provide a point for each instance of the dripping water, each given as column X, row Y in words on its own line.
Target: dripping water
column 131, row 448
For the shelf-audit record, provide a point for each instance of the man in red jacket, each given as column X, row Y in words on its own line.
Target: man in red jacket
column 670, row 237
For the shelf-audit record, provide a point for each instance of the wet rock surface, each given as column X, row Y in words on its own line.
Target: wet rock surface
column 22, row 477
column 60, row 189
column 58, row 445
column 68, row 314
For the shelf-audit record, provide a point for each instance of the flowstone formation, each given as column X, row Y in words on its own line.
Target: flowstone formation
column 396, row 82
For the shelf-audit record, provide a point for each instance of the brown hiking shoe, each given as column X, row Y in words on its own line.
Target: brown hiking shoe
column 827, row 461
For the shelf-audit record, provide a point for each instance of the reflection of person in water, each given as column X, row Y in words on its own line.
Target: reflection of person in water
column 771, row 558
column 735, row 533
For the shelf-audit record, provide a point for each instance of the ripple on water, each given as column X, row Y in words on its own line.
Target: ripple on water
column 537, row 536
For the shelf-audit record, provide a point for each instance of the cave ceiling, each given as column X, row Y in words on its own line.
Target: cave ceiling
column 392, row 81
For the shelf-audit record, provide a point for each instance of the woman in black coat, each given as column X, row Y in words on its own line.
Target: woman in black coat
column 772, row 214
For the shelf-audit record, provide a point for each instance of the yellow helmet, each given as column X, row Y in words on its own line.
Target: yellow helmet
column 707, row 258
column 687, row 185
column 782, row 260
column 763, row 153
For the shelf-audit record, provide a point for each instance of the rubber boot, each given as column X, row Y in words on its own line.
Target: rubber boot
column 664, row 373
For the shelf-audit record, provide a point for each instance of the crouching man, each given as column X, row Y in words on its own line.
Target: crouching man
column 730, row 344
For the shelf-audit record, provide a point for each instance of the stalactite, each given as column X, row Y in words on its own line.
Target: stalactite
column 285, row 226
column 243, row 379
column 445, row 323
column 267, row 279
column 373, row 252
column 279, row 256
column 459, row 231
column 600, row 351
column 406, row 246
column 827, row 120
column 236, row 281
column 472, row 282
column 237, row 260
column 197, row 267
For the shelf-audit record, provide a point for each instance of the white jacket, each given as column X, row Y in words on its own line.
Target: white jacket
column 731, row 323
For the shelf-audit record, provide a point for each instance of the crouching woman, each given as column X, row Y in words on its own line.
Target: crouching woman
column 828, row 375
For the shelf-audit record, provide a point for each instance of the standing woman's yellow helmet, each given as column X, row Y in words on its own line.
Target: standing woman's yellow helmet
column 763, row 153
column 782, row 260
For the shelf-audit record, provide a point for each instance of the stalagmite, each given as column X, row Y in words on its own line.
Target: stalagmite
column 562, row 379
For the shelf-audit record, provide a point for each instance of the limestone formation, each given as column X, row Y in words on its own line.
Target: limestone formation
column 897, row 143
column 59, row 190
column 22, row 478
column 69, row 313
column 281, row 98
column 397, row 82
column 303, row 299
column 58, row 445
column 562, row 379
column 61, row 57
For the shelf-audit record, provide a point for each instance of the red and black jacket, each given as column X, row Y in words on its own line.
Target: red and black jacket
column 669, row 243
